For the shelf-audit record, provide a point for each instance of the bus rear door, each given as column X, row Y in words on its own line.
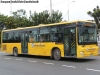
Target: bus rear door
column 24, row 42
column 70, row 41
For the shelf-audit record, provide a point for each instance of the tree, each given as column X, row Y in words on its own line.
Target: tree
column 20, row 18
column 3, row 20
column 19, row 13
column 56, row 16
column 45, row 18
column 96, row 15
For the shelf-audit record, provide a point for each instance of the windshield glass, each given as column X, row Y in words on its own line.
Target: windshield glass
column 87, row 34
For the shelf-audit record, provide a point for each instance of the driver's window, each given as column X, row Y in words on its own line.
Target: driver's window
column 85, row 36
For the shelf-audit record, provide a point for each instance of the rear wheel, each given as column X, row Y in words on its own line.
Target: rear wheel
column 56, row 54
column 15, row 52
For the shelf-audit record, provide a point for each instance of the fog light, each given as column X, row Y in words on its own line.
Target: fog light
column 82, row 53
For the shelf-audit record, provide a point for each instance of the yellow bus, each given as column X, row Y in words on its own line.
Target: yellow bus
column 76, row 39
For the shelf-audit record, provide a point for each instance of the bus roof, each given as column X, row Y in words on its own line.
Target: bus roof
column 63, row 22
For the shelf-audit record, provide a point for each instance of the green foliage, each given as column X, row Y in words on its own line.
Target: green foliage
column 96, row 15
column 20, row 19
column 45, row 18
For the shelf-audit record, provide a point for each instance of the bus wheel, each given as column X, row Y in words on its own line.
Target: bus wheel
column 15, row 52
column 56, row 54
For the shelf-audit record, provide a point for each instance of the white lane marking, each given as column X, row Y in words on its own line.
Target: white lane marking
column 48, row 63
column 18, row 59
column 69, row 66
column 31, row 61
column 93, row 70
column 7, row 58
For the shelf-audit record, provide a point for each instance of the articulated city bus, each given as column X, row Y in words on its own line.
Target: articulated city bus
column 65, row 39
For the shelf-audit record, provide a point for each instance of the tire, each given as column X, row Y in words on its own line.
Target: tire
column 15, row 52
column 56, row 54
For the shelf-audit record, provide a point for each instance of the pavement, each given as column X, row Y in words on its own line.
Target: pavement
column 35, row 65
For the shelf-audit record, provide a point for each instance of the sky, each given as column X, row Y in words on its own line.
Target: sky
column 77, row 10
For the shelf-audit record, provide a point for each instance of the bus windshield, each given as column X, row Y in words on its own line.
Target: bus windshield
column 87, row 34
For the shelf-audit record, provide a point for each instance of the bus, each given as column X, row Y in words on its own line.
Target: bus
column 75, row 39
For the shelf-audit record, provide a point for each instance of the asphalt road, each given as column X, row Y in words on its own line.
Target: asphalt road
column 33, row 65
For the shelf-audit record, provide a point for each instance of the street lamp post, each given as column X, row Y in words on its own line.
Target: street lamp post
column 68, row 8
column 51, row 9
column 10, row 7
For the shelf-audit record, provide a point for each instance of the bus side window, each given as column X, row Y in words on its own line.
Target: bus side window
column 31, row 38
column 34, row 36
column 56, row 34
column 17, row 37
column 60, row 37
column 44, row 34
column 5, row 37
column 10, row 37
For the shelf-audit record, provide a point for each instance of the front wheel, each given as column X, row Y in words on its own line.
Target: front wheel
column 56, row 54
column 15, row 52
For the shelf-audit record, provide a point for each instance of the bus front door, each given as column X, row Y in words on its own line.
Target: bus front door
column 24, row 42
column 70, row 41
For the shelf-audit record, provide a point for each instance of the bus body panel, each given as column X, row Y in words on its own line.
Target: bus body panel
column 9, row 47
column 87, row 50
column 41, row 49
column 44, row 49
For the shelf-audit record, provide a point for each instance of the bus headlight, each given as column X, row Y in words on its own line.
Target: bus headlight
column 82, row 53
